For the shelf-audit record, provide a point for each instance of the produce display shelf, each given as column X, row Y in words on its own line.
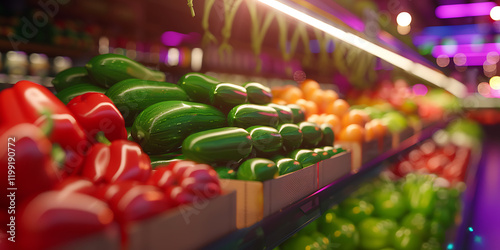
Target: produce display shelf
column 275, row 229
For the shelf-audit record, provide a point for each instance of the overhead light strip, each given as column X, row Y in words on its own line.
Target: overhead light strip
column 417, row 69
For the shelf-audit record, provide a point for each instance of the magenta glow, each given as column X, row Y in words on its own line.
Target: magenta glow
column 464, row 10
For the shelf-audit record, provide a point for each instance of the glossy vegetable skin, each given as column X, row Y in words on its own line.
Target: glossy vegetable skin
column 305, row 156
column 108, row 69
column 258, row 93
column 162, row 127
column 328, row 135
column 247, row 115
column 70, row 77
column 292, row 136
column 311, row 134
column 284, row 113
column 218, row 145
column 287, row 165
column 132, row 96
column 298, row 113
column 198, row 86
column 257, row 169
column 73, row 91
column 226, row 96
column 266, row 140
column 96, row 113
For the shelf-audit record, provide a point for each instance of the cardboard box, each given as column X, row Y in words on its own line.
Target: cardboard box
column 187, row 227
column 256, row 200
column 109, row 240
column 397, row 138
column 362, row 153
column 334, row 168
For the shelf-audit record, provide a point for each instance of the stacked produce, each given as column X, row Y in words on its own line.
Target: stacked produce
column 368, row 120
column 410, row 206
column 117, row 145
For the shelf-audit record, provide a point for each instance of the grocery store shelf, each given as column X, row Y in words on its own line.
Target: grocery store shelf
column 274, row 229
column 47, row 49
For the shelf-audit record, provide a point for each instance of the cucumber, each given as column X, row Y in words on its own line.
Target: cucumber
column 265, row 140
column 132, row 96
column 328, row 135
column 298, row 114
column 247, row 115
column 198, row 86
column 218, row 145
column 311, row 134
column 162, row 127
column 306, row 157
column 164, row 162
column 79, row 89
column 225, row 173
column 108, row 69
column 226, row 96
column 70, row 77
column 292, row 136
column 129, row 134
column 287, row 165
column 258, row 93
column 322, row 153
column 257, row 169
column 284, row 113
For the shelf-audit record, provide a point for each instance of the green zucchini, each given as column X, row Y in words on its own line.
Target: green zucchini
column 108, row 69
column 298, row 114
column 322, row 153
column 218, row 145
column 247, row 115
column 311, row 134
column 292, row 136
column 257, row 169
column 70, row 77
column 284, row 113
column 226, row 96
column 258, row 93
column 129, row 134
column 79, row 89
column 132, row 96
column 266, row 140
column 162, row 127
column 287, row 165
column 198, row 86
column 225, row 173
column 330, row 150
column 305, row 156
column 328, row 135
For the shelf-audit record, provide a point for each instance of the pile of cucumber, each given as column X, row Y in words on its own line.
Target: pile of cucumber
column 236, row 129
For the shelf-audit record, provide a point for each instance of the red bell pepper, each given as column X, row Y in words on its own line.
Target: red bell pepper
column 26, row 103
column 27, row 167
column 186, row 181
column 95, row 112
column 76, row 184
column 120, row 160
column 54, row 218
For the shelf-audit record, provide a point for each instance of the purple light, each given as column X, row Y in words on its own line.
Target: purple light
column 451, row 50
column 171, row 38
column 464, row 10
column 419, row 89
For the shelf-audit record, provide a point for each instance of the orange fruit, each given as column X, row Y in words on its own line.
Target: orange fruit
column 278, row 91
column 329, row 96
column 335, row 122
column 339, row 108
column 355, row 117
column 308, row 87
column 353, row 132
column 317, row 96
column 379, row 128
column 313, row 118
column 311, row 108
column 278, row 101
column 321, row 119
column 291, row 94
column 369, row 132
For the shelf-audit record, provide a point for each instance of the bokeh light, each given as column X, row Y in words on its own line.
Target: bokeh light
column 460, row 59
column 495, row 13
column 403, row 19
column 443, row 61
column 484, row 89
column 492, row 57
column 419, row 89
column 404, row 30
column 495, row 82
